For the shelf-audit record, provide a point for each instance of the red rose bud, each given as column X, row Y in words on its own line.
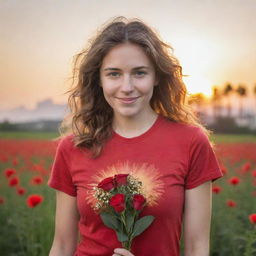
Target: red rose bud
column 252, row 218
column 138, row 202
column 118, row 202
column 107, row 184
column 121, row 179
column 34, row 200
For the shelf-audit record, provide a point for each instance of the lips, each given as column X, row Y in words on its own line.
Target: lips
column 128, row 100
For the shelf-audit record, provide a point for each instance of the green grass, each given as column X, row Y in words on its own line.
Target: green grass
column 28, row 135
column 217, row 138
column 233, row 138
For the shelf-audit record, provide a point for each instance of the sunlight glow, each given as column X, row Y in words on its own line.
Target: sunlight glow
column 198, row 84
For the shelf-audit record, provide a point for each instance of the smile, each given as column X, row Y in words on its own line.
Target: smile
column 128, row 100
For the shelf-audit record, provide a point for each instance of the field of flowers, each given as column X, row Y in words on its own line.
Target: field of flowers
column 27, row 204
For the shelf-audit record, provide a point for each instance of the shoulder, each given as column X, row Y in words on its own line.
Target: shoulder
column 186, row 131
column 65, row 142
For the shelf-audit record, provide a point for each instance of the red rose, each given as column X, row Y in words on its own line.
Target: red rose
column 34, row 200
column 121, row 179
column 138, row 202
column 118, row 202
column 216, row 189
column 231, row 203
column 234, row 180
column 107, row 184
column 252, row 218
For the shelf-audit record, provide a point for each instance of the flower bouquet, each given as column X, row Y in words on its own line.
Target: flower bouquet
column 119, row 201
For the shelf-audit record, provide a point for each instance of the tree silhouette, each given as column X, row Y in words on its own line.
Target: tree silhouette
column 216, row 95
column 226, row 92
column 242, row 92
column 197, row 99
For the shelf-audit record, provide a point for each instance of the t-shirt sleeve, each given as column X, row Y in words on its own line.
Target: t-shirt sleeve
column 203, row 164
column 60, row 177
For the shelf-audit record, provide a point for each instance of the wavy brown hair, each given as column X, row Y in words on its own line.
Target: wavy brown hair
column 90, row 118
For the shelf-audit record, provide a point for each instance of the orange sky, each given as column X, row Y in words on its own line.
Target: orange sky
column 215, row 41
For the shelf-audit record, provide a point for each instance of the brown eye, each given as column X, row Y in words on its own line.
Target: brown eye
column 113, row 74
column 140, row 73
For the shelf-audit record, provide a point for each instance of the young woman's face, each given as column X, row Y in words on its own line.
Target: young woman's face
column 127, row 78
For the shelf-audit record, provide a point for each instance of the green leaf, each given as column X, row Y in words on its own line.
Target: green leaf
column 142, row 224
column 109, row 220
column 122, row 237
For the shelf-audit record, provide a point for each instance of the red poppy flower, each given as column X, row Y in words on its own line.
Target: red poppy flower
column 231, row 203
column 138, row 202
column 34, row 200
column 118, row 202
column 224, row 170
column 254, row 173
column 121, row 179
column 13, row 181
column 9, row 172
column 20, row 191
column 107, row 184
column 14, row 162
column 1, row 200
column 37, row 180
column 252, row 218
column 234, row 180
column 216, row 189
column 246, row 167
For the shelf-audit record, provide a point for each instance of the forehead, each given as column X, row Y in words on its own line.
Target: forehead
column 126, row 55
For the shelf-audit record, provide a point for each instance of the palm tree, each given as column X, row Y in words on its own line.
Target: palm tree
column 226, row 92
column 242, row 92
column 215, row 101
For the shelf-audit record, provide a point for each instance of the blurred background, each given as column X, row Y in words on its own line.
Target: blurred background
column 215, row 42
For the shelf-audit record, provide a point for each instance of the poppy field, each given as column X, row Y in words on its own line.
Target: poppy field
column 27, row 204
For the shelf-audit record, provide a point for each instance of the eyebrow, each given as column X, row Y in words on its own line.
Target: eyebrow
column 136, row 68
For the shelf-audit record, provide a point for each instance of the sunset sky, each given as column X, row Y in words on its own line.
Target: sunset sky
column 214, row 40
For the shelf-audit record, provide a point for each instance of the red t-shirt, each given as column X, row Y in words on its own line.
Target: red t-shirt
column 171, row 156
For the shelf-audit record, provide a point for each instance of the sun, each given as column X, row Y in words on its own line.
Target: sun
column 198, row 84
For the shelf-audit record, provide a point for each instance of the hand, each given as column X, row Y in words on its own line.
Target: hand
column 122, row 252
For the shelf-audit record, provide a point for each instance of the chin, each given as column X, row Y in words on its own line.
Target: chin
column 127, row 114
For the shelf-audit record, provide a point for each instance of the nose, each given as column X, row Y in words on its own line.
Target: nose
column 127, row 85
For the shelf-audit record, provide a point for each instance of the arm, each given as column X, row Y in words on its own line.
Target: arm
column 197, row 220
column 66, row 230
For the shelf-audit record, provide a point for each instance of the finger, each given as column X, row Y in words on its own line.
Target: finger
column 123, row 252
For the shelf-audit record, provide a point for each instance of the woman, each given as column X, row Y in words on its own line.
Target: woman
column 129, row 113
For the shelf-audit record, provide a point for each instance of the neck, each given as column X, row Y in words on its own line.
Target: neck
column 134, row 126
